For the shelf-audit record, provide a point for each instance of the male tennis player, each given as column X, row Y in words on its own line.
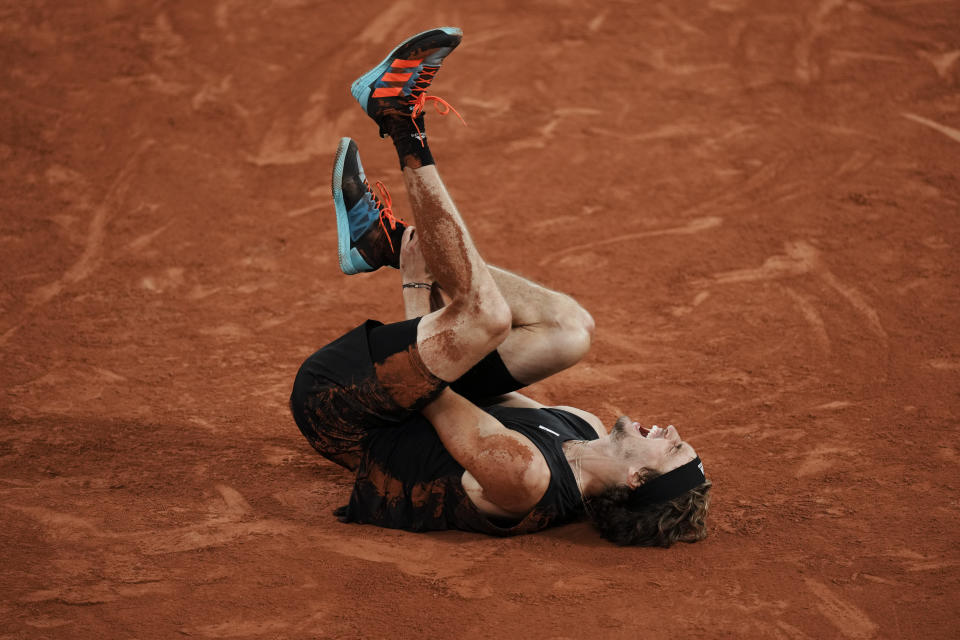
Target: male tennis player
column 426, row 411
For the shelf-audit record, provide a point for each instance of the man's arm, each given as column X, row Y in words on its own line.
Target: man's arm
column 506, row 474
column 508, row 469
column 417, row 301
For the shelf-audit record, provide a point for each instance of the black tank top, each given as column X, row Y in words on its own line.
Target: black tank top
column 408, row 480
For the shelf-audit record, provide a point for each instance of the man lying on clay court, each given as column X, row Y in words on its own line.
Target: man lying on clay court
column 426, row 411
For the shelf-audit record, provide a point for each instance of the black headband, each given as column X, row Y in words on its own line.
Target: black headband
column 669, row 485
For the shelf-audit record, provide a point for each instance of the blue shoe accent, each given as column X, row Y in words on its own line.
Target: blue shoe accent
column 362, row 215
column 350, row 224
column 363, row 86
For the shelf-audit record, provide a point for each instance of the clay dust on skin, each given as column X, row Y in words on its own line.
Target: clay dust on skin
column 446, row 246
column 502, row 462
column 451, row 259
column 448, row 343
column 405, row 377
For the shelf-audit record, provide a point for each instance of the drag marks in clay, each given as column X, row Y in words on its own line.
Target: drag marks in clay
column 95, row 238
column 810, row 313
column 849, row 620
column 823, row 458
column 911, row 561
column 227, row 519
column 694, row 226
column 943, row 62
column 950, row 132
column 802, row 258
column 418, row 556
column 101, row 565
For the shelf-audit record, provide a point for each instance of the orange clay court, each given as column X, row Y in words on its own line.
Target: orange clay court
column 757, row 202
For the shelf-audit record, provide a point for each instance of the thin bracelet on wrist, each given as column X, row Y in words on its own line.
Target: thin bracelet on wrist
column 417, row 285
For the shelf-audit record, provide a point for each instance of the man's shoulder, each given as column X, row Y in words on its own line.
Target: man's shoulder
column 526, row 494
column 587, row 417
column 517, row 400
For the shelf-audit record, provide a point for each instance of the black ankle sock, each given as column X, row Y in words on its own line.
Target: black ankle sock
column 412, row 147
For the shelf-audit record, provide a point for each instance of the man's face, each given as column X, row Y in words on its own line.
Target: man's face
column 660, row 449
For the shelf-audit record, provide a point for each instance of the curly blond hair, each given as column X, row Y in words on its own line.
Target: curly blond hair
column 683, row 519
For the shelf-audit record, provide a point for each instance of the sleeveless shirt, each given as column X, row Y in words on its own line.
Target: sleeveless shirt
column 408, row 480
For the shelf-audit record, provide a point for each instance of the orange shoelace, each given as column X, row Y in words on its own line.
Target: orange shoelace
column 420, row 99
column 385, row 205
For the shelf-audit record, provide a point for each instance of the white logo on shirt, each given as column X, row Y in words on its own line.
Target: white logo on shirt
column 548, row 430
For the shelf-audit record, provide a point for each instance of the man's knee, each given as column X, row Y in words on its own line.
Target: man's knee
column 462, row 333
column 488, row 312
column 568, row 315
column 575, row 326
column 487, row 315
column 583, row 320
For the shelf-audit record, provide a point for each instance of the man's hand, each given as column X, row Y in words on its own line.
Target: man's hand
column 413, row 267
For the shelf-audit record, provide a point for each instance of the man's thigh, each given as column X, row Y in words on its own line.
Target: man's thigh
column 487, row 378
column 450, row 342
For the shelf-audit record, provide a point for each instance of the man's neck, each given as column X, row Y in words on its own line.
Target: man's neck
column 593, row 465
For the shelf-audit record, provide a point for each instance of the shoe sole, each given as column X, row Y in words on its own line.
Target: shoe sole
column 344, row 251
column 361, row 86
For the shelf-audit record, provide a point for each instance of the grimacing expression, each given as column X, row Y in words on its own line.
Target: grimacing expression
column 654, row 448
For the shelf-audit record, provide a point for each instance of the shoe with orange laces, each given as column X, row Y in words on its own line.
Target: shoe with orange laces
column 394, row 93
column 368, row 233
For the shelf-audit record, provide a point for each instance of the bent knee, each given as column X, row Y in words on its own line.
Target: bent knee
column 493, row 317
column 576, row 344
column 570, row 316
column 575, row 327
column 585, row 321
column 488, row 311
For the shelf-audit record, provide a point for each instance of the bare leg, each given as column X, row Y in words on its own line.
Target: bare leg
column 550, row 330
column 477, row 319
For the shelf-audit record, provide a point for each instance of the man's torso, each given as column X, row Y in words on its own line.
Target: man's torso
column 408, row 480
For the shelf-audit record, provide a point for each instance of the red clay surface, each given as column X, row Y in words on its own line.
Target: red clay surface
column 757, row 201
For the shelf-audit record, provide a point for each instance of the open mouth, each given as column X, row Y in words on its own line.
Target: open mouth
column 624, row 424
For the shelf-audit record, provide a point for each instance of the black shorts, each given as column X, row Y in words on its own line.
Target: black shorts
column 372, row 378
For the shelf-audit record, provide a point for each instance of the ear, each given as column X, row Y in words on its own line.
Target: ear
column 636, row 476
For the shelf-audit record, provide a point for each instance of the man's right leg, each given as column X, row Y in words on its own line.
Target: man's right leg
column 477, row 319
column 550, row 331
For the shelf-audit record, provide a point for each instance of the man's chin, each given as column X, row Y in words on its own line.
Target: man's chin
column 620, row 427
